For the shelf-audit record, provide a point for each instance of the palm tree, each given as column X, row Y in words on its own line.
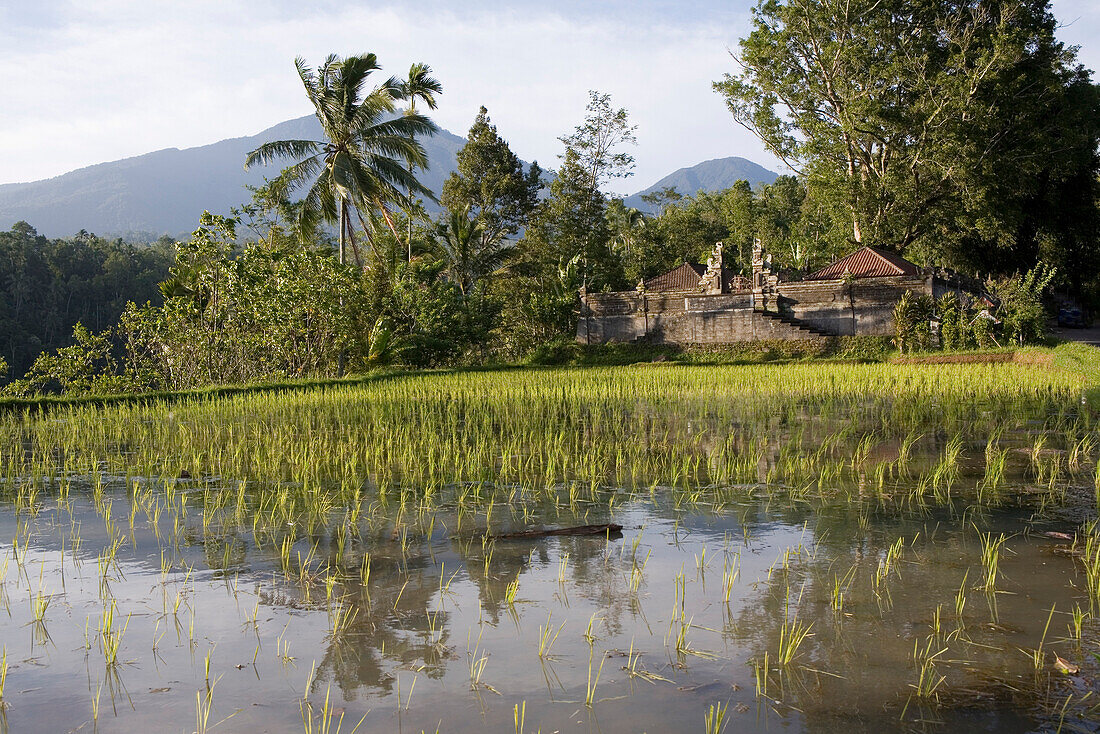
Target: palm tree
column 466, row 253
column 417, row 85
column 366, row 161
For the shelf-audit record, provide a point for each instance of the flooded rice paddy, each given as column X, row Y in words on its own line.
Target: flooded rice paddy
column 805, row 548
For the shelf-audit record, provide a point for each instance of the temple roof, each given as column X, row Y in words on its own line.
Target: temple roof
column 684, row 278
column 866, row 262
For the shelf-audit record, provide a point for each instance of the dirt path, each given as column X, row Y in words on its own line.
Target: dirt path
column 1089, row 336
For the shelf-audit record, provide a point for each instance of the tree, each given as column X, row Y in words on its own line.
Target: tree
column 365, row 163
column 467, row 255
column 934, row 123
column 47, row 286
column 662, row 198
column 570, row 223
column 629, row 237
column 490, row 181
column 596, row 139
column 573, row 221
column 417, row 85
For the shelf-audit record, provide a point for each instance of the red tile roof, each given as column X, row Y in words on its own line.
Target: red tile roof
column 684, row 278
column 687, row 277
column 866, row 262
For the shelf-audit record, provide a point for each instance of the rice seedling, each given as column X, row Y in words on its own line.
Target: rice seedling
column 929, row 679
column 519, row 714
column 476, row 660
column 838, row 592
column 547, row 637
column 590, row 686
column 730, row 572
column 888, row 565
column 510, row 591
column 328, row 720
column 714, row 722
column 110, row 635
column 1078, row 617
column 760, row 675
column 991, row 559
column 960, row 597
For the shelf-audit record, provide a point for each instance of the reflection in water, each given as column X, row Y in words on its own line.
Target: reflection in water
column 841, row 590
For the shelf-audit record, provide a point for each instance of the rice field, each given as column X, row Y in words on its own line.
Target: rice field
column 813, row 546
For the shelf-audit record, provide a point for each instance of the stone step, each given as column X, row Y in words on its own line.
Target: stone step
column 802, row 327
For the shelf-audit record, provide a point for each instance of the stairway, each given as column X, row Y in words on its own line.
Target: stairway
column 798, row 329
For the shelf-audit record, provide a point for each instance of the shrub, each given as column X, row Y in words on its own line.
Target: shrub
column 912, row 315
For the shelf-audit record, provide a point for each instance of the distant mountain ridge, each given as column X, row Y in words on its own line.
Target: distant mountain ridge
column 165, row 191
column 712, row 175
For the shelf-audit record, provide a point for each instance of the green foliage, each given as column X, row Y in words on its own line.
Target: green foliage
column 912, row 315
column 467, row 251
column 781, row 215
column 238, row 317
column 87, row 367
column 537, row 306
column 953, row 326
column 490, row 183
column 48, row 286
column 1021, row 311
column 434, row 322
column 982, row 329
column 974, row 145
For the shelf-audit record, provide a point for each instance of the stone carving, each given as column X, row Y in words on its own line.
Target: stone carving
column 711, row 282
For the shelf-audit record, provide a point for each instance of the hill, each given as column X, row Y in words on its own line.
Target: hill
column 164, row 192
column 712, row 175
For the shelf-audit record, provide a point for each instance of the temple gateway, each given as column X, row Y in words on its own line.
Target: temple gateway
column 705, row 304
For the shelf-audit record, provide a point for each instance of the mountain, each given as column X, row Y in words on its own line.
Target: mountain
column 713, row 175
column 164, row 192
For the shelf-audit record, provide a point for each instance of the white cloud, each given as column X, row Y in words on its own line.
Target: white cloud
column 121, row 78
column 91, row 82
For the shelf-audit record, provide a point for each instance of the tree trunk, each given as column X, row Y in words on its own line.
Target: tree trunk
column 343, row 226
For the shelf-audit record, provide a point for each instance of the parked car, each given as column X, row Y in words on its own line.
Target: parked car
column 1072, row 318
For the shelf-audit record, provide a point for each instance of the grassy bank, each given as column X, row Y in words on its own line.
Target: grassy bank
column 1076, row 358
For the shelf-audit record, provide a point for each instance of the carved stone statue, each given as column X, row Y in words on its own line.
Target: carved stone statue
column 711, row 282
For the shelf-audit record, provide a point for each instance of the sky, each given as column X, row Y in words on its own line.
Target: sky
column 87, row 82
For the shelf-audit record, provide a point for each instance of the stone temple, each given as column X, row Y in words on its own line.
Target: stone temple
column 705, row 304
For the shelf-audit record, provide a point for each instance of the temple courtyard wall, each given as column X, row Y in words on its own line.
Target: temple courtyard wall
column 791, row 310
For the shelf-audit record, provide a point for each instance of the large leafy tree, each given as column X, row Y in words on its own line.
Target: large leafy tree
column 366, row 163
column 491, row 182
column 934, row 123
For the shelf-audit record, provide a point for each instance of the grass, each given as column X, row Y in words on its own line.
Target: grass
column 347, row 486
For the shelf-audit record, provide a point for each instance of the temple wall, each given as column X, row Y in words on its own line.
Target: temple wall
column 863, row 307
column 859, row 307
column 678, row 319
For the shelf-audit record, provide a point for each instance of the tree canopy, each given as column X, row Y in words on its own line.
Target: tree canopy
column 367, row 160
column 949, row 130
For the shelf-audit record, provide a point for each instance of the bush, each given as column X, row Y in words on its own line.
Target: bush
column 559, row 351
column 1022, row 315
column 912, row 316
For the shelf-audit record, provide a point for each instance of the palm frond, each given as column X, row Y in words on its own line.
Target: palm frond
column 405, row 126
column 292, row 177
column 274, row 150
column 418, row 85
